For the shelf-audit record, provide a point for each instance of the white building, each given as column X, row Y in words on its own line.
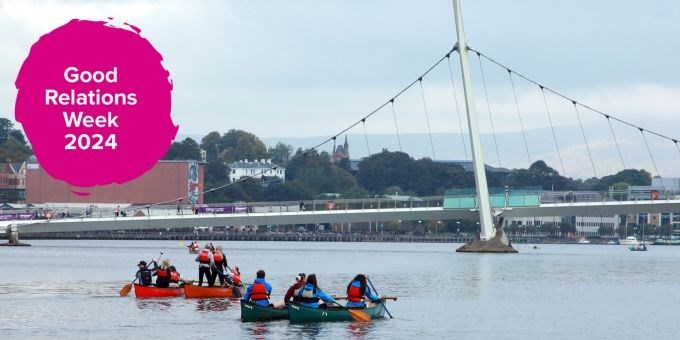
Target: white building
column 256, row 169
column 585, row 225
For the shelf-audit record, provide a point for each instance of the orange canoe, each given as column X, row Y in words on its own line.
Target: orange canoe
column 191, row 291
column 155, row 292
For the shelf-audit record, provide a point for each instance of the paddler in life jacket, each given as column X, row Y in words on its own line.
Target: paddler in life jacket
column 295, row 289
column 145, row 274
column 258, row 293
column 175, row 279
column 220, row 266
column 311, row 293
column 357, row 291
column 236, row 276
column 163, row 274
column 205, row 262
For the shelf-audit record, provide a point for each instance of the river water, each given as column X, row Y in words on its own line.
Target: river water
column 69, row 289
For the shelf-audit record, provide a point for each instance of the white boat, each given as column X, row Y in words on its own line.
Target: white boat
column 629, row 241
column 611, row 242
column 583, row 241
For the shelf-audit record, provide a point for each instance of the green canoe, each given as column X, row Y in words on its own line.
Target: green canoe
column 300, row 313
column 252, row 312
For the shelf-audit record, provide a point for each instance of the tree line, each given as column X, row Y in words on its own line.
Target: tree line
column 311, row 174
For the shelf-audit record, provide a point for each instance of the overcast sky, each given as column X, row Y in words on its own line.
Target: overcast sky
column 310, row 68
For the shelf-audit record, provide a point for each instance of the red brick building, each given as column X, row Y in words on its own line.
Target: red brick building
column 166, row 181
column 12, row 182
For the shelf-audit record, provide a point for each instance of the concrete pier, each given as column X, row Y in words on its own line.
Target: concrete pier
column 497, row 244
column 13, row 237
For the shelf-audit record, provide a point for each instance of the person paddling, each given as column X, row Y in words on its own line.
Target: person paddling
column 220, row 266
column 357, row 291
column 311, row 293
column 259, row 292
column 295, row 289
column 145, row 274
column 175, row 279
column 163, row 274
column 205, row 262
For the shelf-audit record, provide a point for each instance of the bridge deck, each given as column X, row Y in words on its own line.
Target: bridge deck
column 338, row 216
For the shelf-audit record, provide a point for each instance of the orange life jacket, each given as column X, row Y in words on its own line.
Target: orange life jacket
column 174, row 277
column 259, row 292
column 218, row 257
column 237, row 278
column 354, row 294
column 203, row 257
column 162, row 273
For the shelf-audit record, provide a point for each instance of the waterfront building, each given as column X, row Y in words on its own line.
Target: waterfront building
column 12, row 182
column 587, row 225
column 256, row 169
column 165, row 181
column 660, row 189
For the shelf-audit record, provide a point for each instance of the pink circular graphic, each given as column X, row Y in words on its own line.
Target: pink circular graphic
column 94, row 101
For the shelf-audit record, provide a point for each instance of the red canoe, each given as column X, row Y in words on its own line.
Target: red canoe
column 191, row 291
column 154, row 292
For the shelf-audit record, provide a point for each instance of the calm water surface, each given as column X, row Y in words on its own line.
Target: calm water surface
column 69, row 289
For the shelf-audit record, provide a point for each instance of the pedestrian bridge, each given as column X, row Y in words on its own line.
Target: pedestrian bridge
column 348, row 215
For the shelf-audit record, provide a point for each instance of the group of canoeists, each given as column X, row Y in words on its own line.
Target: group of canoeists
column 212, row 264
column 306, row 291
column 304, row 300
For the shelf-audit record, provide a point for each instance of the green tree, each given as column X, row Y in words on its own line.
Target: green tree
column 386, row 169
column 629, row 176
column 184, row 150
column 238, row 145
column 14, row 151
column 280, row 154
column 605, row 231
column 666, row 230
column 211, row 144
column 288, row 191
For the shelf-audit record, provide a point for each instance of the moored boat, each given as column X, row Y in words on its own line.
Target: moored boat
column 251, row 312
column 629, row 241
column 300, row 313
column 155, row 292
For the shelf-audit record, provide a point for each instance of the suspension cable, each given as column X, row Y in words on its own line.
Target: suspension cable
column 334, row 146
column 567, row 97
column 583, row 132
column 616, row 142
column 488, row 107
column 455, row 100
column 552, row 127
column 368, row 148
column 644, row 138
column 396, row 127
column 524, row 135
column 427, row 119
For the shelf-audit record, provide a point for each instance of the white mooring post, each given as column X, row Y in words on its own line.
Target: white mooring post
column 485, row 220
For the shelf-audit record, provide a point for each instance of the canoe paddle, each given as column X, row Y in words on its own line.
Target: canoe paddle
column 356, row 314
column 376, row 293
column 128, row 287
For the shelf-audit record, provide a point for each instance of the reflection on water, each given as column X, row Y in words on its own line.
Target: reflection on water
column 213, row 305
column 258, row 330
column 360, row 330
column 162, row 304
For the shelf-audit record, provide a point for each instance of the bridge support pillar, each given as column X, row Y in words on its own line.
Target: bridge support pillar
column 13, row 237
column 497, row 244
